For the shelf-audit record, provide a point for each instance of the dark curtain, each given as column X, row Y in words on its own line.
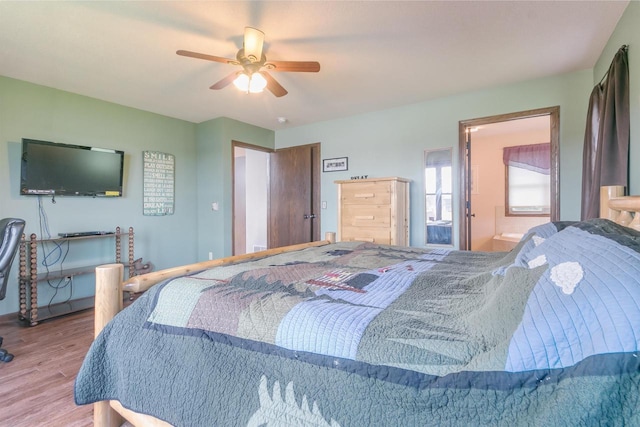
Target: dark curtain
column 605, row 159
column 534, row 157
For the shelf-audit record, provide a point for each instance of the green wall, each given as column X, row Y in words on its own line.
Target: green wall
column 32, row 111
column 392, row 142
column 203, row 175
column 215, row 180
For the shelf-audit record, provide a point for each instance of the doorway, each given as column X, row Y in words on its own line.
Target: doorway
column 276, row 196
column 250, row 197
column 501, row 195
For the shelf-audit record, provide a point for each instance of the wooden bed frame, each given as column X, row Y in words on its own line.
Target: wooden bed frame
column 624, row 210
column 109, row 301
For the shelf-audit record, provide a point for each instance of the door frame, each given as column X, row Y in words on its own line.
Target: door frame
column 316, row 170
column 464, row 173
column 246, row 146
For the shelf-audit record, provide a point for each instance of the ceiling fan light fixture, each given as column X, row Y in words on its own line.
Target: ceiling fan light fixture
column 253, row 42
column 254, row 76
column 254, row 83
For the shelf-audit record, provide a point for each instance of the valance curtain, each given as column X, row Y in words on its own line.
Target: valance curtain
column 534, row 157
column 605, row 158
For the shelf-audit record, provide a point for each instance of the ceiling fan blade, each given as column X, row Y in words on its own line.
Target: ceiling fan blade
column 225, row 81
column 294, row 66
column 273, row 86
column 206, row 57
column 253, row 42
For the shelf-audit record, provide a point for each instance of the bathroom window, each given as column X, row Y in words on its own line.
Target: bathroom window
column 527, row 180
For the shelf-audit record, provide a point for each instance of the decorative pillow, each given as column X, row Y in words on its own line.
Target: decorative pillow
column 586, row 302
column 534, row 237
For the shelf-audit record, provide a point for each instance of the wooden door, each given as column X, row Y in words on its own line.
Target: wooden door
column 294, row 195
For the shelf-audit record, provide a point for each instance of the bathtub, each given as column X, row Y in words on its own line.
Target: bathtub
column 505, row 241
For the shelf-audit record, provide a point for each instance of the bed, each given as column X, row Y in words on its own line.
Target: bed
column 439, row 232
column 352, row 334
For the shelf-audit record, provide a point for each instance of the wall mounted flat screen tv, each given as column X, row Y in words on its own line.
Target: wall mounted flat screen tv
column 70, row 170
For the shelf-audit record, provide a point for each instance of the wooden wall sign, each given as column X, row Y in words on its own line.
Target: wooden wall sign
column 158, row 183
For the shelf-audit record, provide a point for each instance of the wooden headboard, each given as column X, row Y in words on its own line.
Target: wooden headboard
column 624, row 210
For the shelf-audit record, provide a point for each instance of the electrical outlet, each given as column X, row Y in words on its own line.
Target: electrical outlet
column 324, row 204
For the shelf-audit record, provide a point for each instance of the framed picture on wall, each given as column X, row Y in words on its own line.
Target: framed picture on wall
column 336, row 164
column 158, row 183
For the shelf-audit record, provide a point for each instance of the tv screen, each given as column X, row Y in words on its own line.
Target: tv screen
column 70, row 170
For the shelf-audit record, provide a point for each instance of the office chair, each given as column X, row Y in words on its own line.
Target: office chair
column 10, row 235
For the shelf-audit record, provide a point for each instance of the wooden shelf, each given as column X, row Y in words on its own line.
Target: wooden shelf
column 30, row 277
column 61, row 308
column 67, row 272
column 58, row 239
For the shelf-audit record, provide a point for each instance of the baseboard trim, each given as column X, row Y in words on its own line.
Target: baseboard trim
column 8, row 316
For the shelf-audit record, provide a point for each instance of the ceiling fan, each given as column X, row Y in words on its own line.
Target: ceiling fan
column 254, row 76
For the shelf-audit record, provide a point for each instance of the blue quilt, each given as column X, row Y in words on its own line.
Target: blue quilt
column 362, row 334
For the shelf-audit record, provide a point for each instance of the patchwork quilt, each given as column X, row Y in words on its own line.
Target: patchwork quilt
column 355, row 334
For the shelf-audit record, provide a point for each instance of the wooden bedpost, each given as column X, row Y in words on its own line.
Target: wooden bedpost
column 624, row 210
column 628, row 211
column 108, row 304
column 608, row 192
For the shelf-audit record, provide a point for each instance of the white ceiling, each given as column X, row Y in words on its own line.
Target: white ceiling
column 373, row 54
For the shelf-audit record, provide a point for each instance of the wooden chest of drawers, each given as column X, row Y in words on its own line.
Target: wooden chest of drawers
column 374, row 210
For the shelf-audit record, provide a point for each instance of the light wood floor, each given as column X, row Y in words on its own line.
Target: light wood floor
column 36, row 388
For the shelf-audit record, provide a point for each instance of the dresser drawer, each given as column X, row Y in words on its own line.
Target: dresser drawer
column 366, row 215
column 366, row 234
column 374, row 210
column 366, row 193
